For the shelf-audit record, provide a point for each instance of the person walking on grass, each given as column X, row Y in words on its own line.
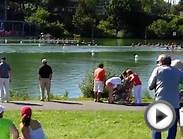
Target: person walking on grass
column 45, row 76
column 7, row 128
column 165, row 80
column 99, row 79
column 30, row 129
column 5, row 79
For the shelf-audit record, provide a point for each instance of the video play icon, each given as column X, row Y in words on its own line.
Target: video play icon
column 160, row 116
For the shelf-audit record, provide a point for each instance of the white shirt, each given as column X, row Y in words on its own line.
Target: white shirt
column 114, row 81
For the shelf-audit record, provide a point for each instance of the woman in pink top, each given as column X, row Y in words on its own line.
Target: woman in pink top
column 137, row 84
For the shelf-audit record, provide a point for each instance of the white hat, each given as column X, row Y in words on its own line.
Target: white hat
column 44, row 60
column 177, row 63
column 1, row 108
column 160, row 57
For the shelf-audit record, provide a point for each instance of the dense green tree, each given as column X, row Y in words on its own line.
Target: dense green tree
column 84, row 19
column 159, row 28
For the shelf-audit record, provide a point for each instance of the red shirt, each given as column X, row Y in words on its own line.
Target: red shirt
column 99, row 74
column 135, row 79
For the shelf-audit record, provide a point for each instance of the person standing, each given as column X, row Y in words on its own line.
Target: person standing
column 5, row 79
column 165, row 80
column 7, row 127
column 137, row 84
column 45, row 76
column 99, row 79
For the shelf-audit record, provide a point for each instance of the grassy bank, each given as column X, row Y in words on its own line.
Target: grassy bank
column 90, row 125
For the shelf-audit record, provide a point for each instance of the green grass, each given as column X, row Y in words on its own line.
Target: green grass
column 89, row 124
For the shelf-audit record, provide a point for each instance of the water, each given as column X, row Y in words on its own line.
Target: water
column 71, row 64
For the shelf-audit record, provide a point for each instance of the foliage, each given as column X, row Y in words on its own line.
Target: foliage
column 130, row 16
column 84, row 18
column 105, row 28
column 39, row 17
column 56, row 29
column 17, row 95
column 159, row 28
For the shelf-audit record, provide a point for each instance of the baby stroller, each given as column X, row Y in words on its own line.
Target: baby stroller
column 120, row 94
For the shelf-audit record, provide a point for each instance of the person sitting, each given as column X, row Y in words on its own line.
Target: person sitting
column 7, row 128
column 112, row 84
column 30, row 129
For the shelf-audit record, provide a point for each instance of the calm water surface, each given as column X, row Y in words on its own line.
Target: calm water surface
column 71, row 64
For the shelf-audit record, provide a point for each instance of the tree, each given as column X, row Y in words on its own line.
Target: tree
column 84, row 18
column 159, row 28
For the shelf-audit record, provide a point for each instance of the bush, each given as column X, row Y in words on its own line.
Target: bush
column 16, row 95
column 86, row 86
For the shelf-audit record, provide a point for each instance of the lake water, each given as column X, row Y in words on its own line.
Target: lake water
column 71, row 64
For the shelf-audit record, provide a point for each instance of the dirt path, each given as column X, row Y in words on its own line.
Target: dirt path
column 72, row 105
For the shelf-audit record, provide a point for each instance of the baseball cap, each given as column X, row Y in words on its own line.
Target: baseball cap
column 44, row 60
column 1, row 108
column 26, row 111
column 160, row 57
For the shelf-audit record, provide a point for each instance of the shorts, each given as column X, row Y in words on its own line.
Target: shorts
column 98, row 86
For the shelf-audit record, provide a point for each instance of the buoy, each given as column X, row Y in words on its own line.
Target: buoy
column 136, row 57
column 92, row 52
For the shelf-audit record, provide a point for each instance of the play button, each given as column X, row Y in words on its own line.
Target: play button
column 160, row 116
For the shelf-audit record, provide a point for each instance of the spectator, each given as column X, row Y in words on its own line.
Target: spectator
column 137, row 84
column 45, row 76
column 7, row 128
column 99, row 79
column 5, row 78
column 112, row 84
column 165, row 81
column 30, row 129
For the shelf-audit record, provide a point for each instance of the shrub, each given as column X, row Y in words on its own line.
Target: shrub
column 17, row 95
column 86, row 86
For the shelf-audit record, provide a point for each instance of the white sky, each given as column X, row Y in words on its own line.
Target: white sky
column 175, row 1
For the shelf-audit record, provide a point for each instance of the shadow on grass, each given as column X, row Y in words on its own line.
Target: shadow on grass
column 66, row 102
column 26, row 103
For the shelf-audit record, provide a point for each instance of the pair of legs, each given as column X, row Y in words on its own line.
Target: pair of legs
column 4, row 89
column 98, row 89
column 171, row 132
column 110, row 89
column 45, row 84
column 137, row 94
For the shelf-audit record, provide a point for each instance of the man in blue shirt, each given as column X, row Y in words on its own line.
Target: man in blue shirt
column 165, row 81
column 5, row 78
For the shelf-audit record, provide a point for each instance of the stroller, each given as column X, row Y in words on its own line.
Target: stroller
column 121, row 94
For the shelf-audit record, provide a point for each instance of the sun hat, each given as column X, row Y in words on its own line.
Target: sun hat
column 26, row 111
column 1, row 108
column 44, row 60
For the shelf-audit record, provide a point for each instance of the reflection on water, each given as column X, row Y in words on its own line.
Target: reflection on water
column 71, row 63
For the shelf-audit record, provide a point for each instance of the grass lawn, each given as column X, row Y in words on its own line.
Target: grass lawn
column 90, row 124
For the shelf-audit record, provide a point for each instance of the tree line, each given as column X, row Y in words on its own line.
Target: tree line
column 122, row 18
